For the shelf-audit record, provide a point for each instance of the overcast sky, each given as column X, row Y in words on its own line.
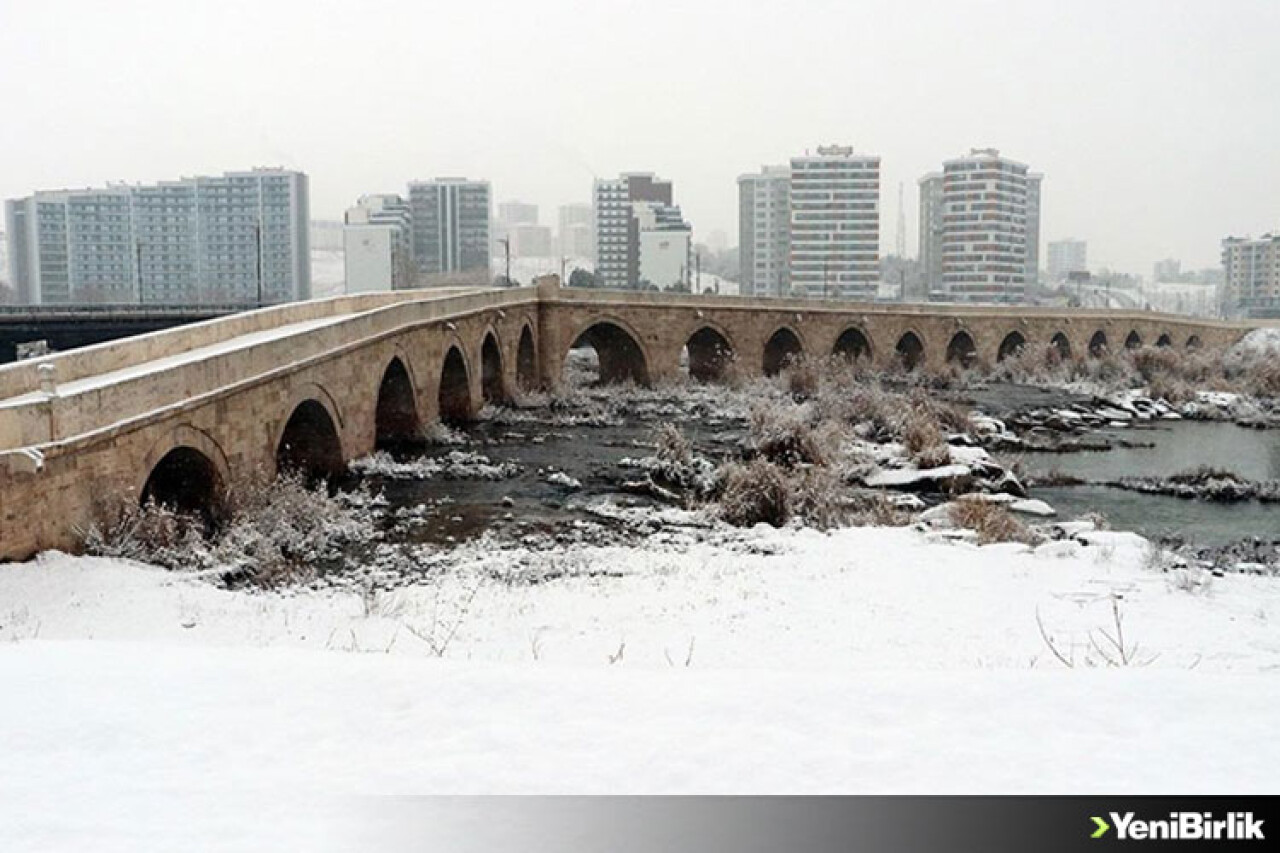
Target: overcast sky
column 1155, row 122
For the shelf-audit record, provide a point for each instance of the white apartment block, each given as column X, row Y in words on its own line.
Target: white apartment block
column 990, row 217
column 930, row 236
column 378, row 244
column 239, row 238
column 764, row 231
column 835, row 224
column 621, row 205
column 1067, row 256
column 664, row 244
column 1252, row 270
column 452, row 221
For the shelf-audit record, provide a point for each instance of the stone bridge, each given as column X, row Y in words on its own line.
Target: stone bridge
column 178, row 415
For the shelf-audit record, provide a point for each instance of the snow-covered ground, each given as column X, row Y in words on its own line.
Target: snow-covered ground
column 862, row 660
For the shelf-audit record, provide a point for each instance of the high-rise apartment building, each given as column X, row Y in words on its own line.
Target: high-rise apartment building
column 1034, row 181
column 631, row 211
column 990, row 218
column 835, row 224
column 931, row 231
column 451, row 227
column 237, row 238
column 1252, row 270
column 1067, row 256
column 378, row 244
column 764, row 231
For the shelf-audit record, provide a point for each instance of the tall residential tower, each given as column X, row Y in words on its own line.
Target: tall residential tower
column 451, row 225
column 764, row 231
column 835, row 224
column 990, row 227
column 238, row 238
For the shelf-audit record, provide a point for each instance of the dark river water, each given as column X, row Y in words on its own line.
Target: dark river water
column 1178, row 446
column 540, row 441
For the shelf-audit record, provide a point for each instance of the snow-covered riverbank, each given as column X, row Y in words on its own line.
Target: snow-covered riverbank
column 861, row 660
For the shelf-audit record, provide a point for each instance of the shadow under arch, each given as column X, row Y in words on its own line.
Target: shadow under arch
column 710, row 354
column 310, row 444
column 526, row 360
column 492, row 386
column 454, row 394
column 782, row 348
column 619, row 355
column 909, row 350
column 396, row 416
column 852, row 344
column 962, row 349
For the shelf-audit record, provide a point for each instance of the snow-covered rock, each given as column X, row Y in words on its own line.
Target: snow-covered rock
column 1032, row 506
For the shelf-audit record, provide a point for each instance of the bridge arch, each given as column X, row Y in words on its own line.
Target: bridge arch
column 853, row 344
column 962, row 349
column 310, row 442
column 783, row 346
column 396, row 415
column 493, row 387
column 186, row 470
column 909, row 350
column 1133, row 341
column 1013, row 344
column 1062, row 344
column 526, row 360
column 453, row 395
column 710, row 353
column 1165, row 340
column 1098, row 344
column 1193, row 342
column 618, row 350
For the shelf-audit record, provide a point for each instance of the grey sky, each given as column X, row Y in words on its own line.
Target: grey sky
column 1157, row 124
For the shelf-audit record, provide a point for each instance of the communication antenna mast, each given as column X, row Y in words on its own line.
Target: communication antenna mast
column 900, row 239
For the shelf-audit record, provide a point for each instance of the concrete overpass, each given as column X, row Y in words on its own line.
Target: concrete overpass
column 178, row 414
column 67, row 327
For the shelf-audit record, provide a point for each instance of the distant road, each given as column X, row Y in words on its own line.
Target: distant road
column 69, row 326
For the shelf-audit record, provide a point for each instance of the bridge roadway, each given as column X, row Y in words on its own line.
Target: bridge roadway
column 178, row 415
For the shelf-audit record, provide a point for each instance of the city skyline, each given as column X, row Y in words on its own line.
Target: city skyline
column 1130, row 123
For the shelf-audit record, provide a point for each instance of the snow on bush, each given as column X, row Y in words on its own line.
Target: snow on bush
column 269, row 533
column 455, row 465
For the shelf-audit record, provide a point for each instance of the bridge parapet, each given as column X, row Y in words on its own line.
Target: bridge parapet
column 22, row 377
column 203, row 359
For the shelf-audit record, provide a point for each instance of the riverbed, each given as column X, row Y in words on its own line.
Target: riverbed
column 559, row 459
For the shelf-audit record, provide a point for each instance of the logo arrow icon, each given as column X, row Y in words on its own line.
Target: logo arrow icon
column 1103, row 826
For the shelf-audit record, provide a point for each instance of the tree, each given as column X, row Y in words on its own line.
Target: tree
column 581, row 278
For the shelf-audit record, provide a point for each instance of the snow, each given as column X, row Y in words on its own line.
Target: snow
column 705, row 659
column 904, row 478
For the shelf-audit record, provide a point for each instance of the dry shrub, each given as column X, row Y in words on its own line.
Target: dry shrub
column 754, row 492
column 875, row 510
column 924, row 441
column 150, row 532
column 991, row 521
column 270, row 531
column 814, row 496
column 791, row 436
column 1151, row 362
column 671, row 445
column 1262, row 379
column 802, row 377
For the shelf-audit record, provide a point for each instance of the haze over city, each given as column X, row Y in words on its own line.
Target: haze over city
column 1152, row 122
